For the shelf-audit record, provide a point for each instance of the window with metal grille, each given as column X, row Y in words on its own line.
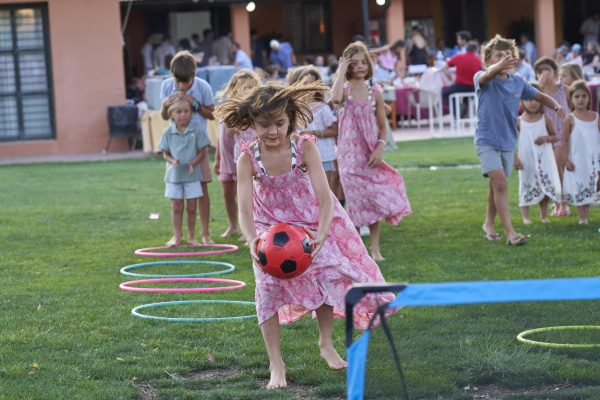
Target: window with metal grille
column 26, row 109
column 307, row 26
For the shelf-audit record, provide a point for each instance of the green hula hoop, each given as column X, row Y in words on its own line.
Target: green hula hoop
column 521, row 337
column 228, row 268
column 135, row 312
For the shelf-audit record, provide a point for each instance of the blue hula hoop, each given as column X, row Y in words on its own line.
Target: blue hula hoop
column 135, row 312
column 228, row 268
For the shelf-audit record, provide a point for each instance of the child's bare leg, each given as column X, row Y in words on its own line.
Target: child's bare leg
column 490, row 217
column 562, row 208
column 375, row 231
column 583, row 213
column 500, row 190
column 544, row 210
column 192, row 205
column 325, row 321
column 176, row 222
column 270, row 332
column 525, row 213
column 229, row 195
column 204, row 205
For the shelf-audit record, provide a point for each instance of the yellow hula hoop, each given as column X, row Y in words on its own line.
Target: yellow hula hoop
column 521, row 337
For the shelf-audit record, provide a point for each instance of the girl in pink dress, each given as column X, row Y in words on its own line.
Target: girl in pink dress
column 229, row 147
column 281, row 179
column 374, row 190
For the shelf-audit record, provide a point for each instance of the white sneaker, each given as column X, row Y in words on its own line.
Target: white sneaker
column 364, row 231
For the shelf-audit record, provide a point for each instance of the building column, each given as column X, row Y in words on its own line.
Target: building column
column 545, row 30
column 240, row 26
column 394, row 25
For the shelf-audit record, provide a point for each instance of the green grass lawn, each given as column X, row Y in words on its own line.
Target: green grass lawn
column 66, row 331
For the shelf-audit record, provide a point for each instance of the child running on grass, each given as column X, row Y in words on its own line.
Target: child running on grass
column 281, row 179
column 538, row 174
column 183, row 146
column 498, row 92
column 581, row 151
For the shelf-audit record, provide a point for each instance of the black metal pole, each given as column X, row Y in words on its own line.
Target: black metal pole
column 365, row 14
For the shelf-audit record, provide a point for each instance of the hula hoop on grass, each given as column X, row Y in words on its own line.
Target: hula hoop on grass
column 135, row 312
column 127, row 285
column 150, row 251
column 521, row 337
column 228, row 268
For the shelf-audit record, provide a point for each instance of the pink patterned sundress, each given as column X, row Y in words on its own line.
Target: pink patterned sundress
column 372, row 194
column 342, row 261
column 227, row 171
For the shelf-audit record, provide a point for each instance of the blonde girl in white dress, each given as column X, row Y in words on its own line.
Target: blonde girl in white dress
column 539, row 180
column 581, row 150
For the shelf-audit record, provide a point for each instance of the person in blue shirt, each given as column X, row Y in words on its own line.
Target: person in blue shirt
column 184, row 80
column 499, row 91
column 183, row 146
column 282, row 54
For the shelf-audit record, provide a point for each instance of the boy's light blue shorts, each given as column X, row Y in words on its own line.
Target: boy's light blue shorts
column 328, row 166
column 492, row 159
column 184, row 190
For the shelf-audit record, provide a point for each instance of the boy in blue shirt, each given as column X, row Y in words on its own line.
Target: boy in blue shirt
column 184, row 146
column 184, row 80
column 498, row 94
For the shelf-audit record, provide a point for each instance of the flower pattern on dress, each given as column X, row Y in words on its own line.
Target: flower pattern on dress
column 342, row 261
column 372, row 194
column 580, row 185
column 539, row 176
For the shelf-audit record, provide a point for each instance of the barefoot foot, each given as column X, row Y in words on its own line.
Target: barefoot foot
column 332, row 358
column 527, row 221
column 277, row 377
column 207, row 240
column 193, row 242
column 230, row 231
column 376, row 255
column 174, row 242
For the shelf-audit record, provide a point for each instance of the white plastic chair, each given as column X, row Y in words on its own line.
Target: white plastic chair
column 455, row 102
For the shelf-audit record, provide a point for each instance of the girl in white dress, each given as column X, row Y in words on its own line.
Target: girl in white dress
column 581, row 150
column 539, row 180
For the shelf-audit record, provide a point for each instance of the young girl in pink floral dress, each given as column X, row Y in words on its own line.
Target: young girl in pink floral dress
column 281, row 179
column 374, row 190
column 230, row 141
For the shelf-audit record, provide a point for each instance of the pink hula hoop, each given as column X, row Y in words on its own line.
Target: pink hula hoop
column 127, row 285
column 150, row 251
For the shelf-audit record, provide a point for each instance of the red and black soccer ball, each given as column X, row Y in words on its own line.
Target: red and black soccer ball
column 284, row 251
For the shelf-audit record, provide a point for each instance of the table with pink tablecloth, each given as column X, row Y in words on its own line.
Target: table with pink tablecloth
column 403, row 106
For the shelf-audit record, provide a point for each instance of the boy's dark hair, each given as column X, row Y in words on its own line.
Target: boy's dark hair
column 472, row 46
column 464, row 35
column 183, row 66
column 545, row 61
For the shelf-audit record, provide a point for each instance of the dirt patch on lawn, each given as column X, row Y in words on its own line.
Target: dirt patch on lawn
column 209, row 374
column 148, row 391
column 493, row 392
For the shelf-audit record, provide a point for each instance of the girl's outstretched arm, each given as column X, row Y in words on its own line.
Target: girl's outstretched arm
column 318, row 180
column 246, row 203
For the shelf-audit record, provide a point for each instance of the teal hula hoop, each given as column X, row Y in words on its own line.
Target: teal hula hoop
column 521, row 337
column 135, row 312
column 228, row 268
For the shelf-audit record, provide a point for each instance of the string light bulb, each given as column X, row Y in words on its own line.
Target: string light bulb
column 251, row 6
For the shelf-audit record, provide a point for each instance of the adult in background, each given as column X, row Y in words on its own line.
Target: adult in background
column 165, row 49
column 147, row 49
column 388, row 60
column 221, row 50
column 524, row 69
column 240, row 57
column 529, row 47
column 419, row 50
column 282, row 55
column 590, row 29
column 467, row 65
column 205, row 47
column 462, row 39
column 258, row 49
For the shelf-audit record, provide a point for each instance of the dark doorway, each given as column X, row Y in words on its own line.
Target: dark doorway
column 464, row 15
column 575, row 12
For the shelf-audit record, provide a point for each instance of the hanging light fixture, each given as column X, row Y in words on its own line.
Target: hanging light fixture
column 380, row 2
column 251, row 6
